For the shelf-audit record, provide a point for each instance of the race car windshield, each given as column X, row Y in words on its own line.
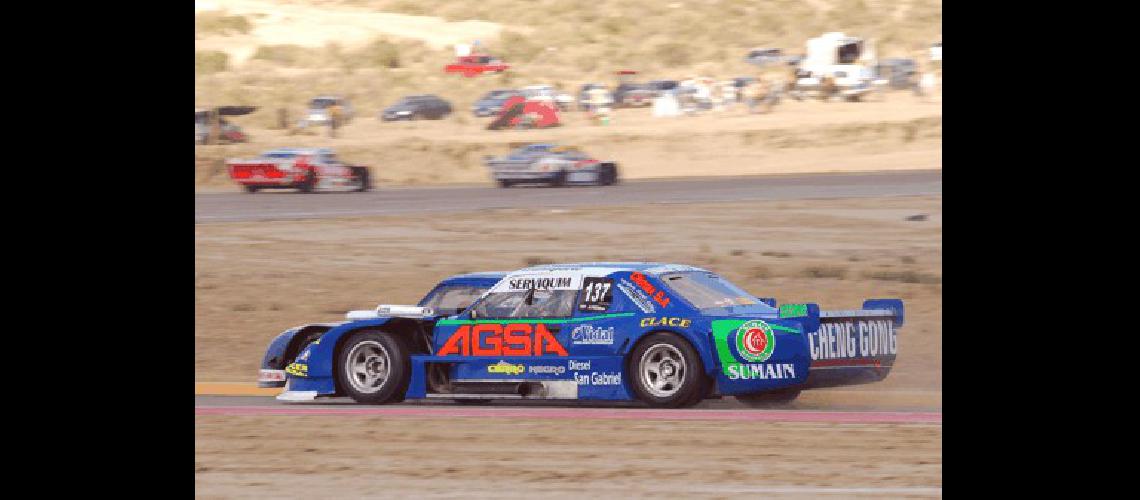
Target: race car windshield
column 451, row 300
column 321, row 103
column 706, row 290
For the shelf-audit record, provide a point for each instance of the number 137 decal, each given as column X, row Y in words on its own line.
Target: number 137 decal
column 597, row 294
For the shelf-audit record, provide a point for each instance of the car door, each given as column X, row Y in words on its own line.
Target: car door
column 520, row 319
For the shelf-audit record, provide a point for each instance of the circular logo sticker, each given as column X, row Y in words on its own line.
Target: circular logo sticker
column 754, row 341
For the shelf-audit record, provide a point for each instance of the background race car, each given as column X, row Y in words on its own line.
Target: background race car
column 306, row 170
column 666, row 335
column 550, row 164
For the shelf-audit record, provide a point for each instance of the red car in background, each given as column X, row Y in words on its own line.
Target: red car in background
column 306, row 170
column 475, row 65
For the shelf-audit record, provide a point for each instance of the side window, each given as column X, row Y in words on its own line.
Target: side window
column 527, row 304
column 454, row 299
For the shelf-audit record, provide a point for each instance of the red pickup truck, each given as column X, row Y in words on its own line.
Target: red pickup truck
column 475, row 65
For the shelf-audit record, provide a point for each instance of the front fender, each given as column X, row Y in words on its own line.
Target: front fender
column 322, row 353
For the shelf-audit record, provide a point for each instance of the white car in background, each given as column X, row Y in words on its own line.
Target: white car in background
column 547, row 93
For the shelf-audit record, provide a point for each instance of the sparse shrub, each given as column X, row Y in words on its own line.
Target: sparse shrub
column 780, row 255
column 219, row 23
column 761, row 272
column 904, row 277
column 537, row 261
column 613, row 25
column 673, row 54
column 736, row 253
column 906, row 259
column 824, row 272
column 288, row 55
column 517, row 47
column 380, row 54
column 210, row 61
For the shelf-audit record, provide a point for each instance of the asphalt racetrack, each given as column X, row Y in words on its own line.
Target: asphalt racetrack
column 724, row 409
column 288, row 205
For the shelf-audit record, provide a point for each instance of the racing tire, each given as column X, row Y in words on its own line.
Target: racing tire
column 373, row 367
column 307, row 185
column 559, row 179
column 771, row 398
column 503, row 183
column 608, row 175
column 251, row 189
column 364, row 178
column 666, row 372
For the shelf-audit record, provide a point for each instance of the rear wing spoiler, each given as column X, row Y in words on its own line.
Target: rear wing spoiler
column 810, row 315
column 849, row 347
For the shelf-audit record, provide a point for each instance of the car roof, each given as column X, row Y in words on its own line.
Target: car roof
column 651, row 268
column 481, row 278
column 298, row 151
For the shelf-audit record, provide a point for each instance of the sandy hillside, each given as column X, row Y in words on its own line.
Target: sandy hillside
column 315, row 24
column 254, row 280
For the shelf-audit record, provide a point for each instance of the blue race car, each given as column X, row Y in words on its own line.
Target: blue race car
column 667, row 335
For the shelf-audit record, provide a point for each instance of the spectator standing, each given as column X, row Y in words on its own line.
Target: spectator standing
column 334, row 118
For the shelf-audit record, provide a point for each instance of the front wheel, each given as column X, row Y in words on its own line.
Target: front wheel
column 503, row 183
column 373, row 367
column 559, row 179
column 666, row 372
column 771, row 398
column 364, row 179
column 250, row 188
column 608, row 175
column 307, row 185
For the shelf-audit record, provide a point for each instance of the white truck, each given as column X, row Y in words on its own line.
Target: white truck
column 843, row 60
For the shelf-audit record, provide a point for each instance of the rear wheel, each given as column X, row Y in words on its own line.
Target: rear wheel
column 771, row 398
column 373, row 367
column 503, row 183
column 666, row 371
column 559, row 179
column 250, row 189
column 306, row 186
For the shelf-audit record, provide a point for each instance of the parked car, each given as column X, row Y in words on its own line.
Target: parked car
column 317, row 113
column 547, row 93
column 897, row 72
column 417, row 107
column 584, row 94
column 550, row 164
column 632, row 94
column 762, row 56
column 451, row 296
column 667, row 335
column 303, row 169
column 475, row 65
column 492, row 102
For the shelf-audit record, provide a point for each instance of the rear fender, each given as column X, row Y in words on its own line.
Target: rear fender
column 700, row 343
